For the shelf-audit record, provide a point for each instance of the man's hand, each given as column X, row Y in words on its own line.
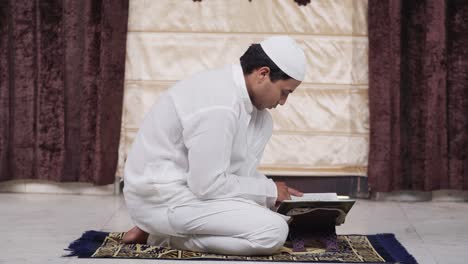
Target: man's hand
column 284, row 192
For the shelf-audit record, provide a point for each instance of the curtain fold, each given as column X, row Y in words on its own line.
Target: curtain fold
column 61, row 89
column 418, row 95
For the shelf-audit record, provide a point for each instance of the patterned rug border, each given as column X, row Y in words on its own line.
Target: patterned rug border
column 385, row 245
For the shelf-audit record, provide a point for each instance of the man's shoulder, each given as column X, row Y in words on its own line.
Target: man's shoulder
column 204, row 89
column 207, row 77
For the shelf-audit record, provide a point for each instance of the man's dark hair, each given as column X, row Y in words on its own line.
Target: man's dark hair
column 255, row 58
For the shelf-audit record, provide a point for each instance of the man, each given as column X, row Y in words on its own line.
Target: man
column 190, row 178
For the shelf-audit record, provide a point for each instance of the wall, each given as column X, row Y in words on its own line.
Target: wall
column 323, row 128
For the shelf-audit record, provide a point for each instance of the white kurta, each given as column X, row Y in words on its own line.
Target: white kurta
column 201, row 142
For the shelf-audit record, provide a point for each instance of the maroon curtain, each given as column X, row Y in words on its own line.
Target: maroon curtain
column 61, row 88
column 418, row 95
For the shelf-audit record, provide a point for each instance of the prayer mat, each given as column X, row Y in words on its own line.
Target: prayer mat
column 381, row 248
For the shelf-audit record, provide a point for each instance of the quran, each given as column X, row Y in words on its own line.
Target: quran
column 314, row 216
column 311, row 202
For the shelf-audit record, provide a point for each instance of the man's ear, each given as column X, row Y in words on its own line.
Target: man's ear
column 263, row 72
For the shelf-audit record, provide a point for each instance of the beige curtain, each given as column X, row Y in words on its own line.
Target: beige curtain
column 323, row 128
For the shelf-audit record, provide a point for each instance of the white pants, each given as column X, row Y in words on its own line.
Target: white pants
column 225, row 227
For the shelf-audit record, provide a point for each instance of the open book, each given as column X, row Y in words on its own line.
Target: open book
column 319, row 207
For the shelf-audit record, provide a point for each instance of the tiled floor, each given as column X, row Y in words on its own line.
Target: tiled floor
column 35, row 228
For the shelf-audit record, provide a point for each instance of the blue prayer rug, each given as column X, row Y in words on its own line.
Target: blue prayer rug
column 380, row 248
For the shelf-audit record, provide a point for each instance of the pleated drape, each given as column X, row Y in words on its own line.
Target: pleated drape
column 323, row 128
column 418, row 95
column 61, row 89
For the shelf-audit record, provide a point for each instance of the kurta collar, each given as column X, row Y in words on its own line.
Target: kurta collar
column 239, row 80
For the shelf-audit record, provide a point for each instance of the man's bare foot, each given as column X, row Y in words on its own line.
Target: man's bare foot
column 135, row 236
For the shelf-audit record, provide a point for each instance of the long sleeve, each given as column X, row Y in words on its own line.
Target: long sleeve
column 209, row 136
column 266, row 131
column 272, row 194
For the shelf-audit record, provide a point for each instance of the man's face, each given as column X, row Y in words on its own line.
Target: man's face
column 268, row 94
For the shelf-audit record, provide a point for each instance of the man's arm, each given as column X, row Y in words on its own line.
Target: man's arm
column 282, row 192
column 209, row 136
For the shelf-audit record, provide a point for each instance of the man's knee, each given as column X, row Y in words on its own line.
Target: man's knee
column 280, row 235
column 271, row 237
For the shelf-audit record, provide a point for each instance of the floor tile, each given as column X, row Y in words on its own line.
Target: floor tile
column 449, row 254
column 37, row 227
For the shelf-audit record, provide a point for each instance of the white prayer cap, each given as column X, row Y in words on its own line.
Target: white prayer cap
column 286, row 54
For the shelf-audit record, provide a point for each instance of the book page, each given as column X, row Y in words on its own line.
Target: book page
column 316, row 197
